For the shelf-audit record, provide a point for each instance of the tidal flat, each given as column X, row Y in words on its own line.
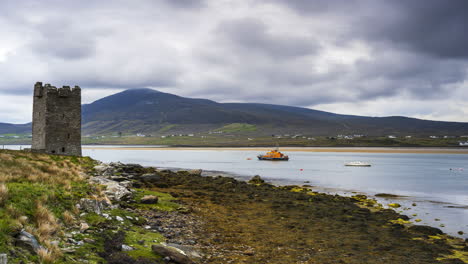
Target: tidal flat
column 260, row 223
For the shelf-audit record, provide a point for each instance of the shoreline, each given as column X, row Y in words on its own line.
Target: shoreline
column 268, row 220
column 402, row 150
column 405, row 200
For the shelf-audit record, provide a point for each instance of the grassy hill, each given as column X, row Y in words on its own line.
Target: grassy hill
column 151, row 112
column 147, row 111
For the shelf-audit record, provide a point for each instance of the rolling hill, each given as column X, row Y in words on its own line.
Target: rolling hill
column 149, row 111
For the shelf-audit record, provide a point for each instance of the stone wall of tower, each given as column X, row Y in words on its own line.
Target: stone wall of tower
column 57, row 120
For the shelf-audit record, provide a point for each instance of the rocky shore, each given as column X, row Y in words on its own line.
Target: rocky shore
column 126, row 213
column 223, row 220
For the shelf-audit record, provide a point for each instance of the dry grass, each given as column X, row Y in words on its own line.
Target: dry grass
column 35, row 167
column 68, row 218
column 47, row 224
column 48, row 255
column 3, row 193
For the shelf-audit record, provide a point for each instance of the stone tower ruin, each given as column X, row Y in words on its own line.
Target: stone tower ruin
column 56, row 120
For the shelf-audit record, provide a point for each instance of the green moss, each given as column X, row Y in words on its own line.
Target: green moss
column 400, row 221
column 299, row 189
column 5, row 229
column 164, row 202
column 87, row 253
column 94, row 219
column 143, row 250
column 394, row 205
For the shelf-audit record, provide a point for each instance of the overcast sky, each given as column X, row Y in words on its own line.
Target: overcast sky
column 364, row 57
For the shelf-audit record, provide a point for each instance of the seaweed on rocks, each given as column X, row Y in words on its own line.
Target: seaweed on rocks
column 262, row 223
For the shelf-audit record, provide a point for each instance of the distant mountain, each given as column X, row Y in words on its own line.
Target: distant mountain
column 6, row 128
column 150, row 111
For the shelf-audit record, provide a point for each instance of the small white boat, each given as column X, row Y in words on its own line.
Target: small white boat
column 358, row 164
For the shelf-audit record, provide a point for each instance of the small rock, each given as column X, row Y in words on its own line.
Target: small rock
column 460, row 233
column 126, row 248
column 68, row 250
column 141, row 242
column 27, row 241
column 394, row 205
column 101, row 168
column 174, row 254
column 256, row 180
column 118, row 218
column 79, row 243
column 89, row 240
column 3, row 259
column 149, row 199
column 195, row 172
column 93, row 205
column 84, row 227
column 249, row 252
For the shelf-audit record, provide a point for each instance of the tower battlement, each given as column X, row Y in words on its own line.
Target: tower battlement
column 65, row 91
column 57, row 119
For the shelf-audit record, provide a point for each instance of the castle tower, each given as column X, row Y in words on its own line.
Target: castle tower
column 56, row 120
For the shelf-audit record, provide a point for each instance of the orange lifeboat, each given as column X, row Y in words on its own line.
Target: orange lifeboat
column 273, row 155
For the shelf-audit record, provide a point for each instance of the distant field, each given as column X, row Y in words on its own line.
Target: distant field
column 243, row 138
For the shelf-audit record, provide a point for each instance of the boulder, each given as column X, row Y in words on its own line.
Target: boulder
column 150, row 177
column 27, row 241
column 195, row 172
column 190, row 251
column 114, row 190
column 131, row 168
column 425, row 230
column 174, row 254
column 149, row 199
column 256, row 180
column 93, row 205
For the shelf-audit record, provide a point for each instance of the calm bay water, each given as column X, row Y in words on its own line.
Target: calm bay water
column 437, row 183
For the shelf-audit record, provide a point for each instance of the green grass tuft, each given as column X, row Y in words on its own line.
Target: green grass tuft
column 164, row 203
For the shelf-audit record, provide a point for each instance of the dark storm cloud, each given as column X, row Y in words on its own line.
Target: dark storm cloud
column 430, row 26
column 433, row 27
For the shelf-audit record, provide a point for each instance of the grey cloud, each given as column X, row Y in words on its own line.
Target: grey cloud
column 433, row 27
column 61, row 40
column 186, row 3
column 252, row 35
column 240, row 50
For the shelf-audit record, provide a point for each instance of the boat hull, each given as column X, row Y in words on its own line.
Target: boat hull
column 357, row 165
column 275, row 159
